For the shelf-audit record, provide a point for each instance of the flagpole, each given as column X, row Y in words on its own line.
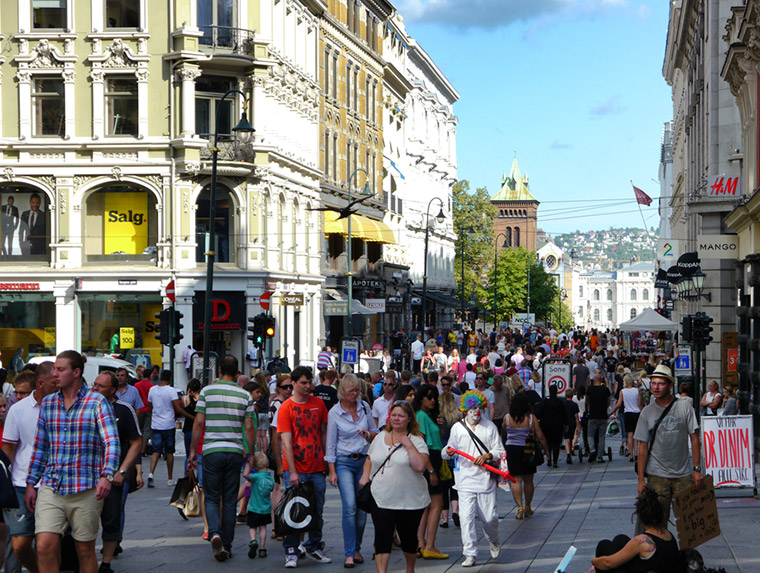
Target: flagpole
column 643, row 220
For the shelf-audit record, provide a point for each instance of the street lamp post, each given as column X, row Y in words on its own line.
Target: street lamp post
column 349, row 263
column 440, row 218
column 243, row 127
column 468, row 230
column 562, row 297
column 495, row 272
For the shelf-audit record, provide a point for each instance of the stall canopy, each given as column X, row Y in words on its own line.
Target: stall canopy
column 649, row 319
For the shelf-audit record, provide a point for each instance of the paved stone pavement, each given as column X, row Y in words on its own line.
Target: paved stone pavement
column 575, row 504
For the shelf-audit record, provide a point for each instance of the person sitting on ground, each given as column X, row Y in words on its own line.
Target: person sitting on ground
column 654, row 550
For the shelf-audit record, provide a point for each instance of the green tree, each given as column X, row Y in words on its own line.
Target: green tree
column 473, row 210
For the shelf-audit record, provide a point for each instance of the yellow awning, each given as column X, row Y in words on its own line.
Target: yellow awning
column 361, row 228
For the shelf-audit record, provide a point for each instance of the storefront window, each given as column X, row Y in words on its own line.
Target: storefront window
column 24, row 223
column 27, row 321
column 121, row 324
column 120, row 224
column 224, row 245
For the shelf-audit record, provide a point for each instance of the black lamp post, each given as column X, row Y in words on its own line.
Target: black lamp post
column 243, row 127
column 495, row 273
column 440, row 218
column 349, row 263
column 469, row 230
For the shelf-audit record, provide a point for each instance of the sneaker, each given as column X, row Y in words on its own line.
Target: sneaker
column 253, row 547
column 569, row 459
column 220, row 553
column 291, row 561
column 105, row 568
column 444, row 524
column 171, row 482
column 469, row 561
column 318, row 556
column 592, row 457
column 150, row 480
column 301, row 551
column 494, row 549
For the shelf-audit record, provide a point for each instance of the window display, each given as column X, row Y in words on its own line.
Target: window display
column 24, row 223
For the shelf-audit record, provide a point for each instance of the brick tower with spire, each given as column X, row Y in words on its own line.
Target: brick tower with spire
column 516, row 210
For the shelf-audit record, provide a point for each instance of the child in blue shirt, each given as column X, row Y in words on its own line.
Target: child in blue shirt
column 259, row 504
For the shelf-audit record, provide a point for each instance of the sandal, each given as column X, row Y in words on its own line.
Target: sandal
column 262, row 553
column 519, row 514
column 527, row 511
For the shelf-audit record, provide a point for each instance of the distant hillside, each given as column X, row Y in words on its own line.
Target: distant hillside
column 610, row 249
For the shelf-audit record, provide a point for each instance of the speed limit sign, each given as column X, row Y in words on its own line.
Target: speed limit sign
column 556, row 371
column 560, row 382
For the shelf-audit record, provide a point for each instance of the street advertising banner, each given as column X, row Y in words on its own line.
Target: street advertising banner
column 728, row 450
column 125, row 223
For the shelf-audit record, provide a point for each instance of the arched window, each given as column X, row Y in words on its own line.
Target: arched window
column 633, row 294
column 25, row 223
column 609, row 315
column 596, row 315
column 224, row 225
column 508, row 233
column 120, row 224
column 596, row 294
column 517, row 236
column 633, row 313
column 609, row 294
column 645, row 294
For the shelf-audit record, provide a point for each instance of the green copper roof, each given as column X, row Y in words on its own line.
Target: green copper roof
column 514, row 187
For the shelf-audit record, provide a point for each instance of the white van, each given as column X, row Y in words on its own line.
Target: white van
column 94, row 365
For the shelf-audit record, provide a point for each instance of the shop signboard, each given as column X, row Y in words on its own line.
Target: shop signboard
column 126, row 337
column 125, row 223
column 336, row 307
column 729, row 455
column 722, row 186
column 375, row 304
column 668, row 251
column 718, row 247
column 293, row 299
column 227, row 310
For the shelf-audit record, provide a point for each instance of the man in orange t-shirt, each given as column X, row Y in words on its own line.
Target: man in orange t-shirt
column 302, row 426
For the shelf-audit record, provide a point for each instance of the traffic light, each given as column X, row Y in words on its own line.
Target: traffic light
column 257, row 330
column 177, row 327
column 269, row 326
column 701, row 329
column 163, row 321
column 707, row 329
column 686, row 329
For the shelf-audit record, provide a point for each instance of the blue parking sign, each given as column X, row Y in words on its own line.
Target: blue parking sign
column 349, row 352
column 683, row 360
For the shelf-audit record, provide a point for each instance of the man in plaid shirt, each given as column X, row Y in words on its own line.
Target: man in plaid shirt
column 525, row 372
column 76, row 454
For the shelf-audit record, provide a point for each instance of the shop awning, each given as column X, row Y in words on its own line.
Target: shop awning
column 356, row 306
column 361, row 228
column 445, row 299
column 649, row 319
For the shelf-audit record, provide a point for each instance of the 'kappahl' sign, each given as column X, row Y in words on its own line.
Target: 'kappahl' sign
column 718, row 246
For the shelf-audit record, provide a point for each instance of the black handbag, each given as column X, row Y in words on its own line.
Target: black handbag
column 532, row 453
column 364, row 498
column 8, row 498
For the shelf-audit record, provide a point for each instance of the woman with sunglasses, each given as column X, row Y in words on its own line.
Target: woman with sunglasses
column 283, row 391
column 427, row 410
column 398, row 455
column 350, row 429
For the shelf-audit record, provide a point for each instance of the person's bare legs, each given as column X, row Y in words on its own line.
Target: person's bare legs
column 23, row 547
column 108, row 549
column 433, row 517
column 381, row 561
column 528, row 488
column 630, row 446
column 48, row 552
column 411, row 559
column 88, row 561
column 517, row 490
column 154, row 461
column 169, row 465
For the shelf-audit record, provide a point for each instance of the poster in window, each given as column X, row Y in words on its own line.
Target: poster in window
column 125, row 224
column 23, row 222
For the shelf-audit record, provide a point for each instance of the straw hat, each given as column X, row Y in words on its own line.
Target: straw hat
column 663, row 371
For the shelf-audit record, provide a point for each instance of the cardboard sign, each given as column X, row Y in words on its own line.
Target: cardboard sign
column 728, row 450
column 696, row 515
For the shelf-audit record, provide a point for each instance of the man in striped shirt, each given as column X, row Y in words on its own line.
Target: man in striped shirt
column 224, row 409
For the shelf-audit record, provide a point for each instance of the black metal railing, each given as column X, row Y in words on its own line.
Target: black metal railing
column 230, row 148
column 235, row 40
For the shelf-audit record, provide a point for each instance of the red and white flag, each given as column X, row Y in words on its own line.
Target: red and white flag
column 641, row 197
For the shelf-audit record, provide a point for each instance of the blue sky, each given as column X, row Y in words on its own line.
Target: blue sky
column 574, row 87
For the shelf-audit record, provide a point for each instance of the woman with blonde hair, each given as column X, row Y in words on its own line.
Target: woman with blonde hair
column 630, row 399
column 453, row 360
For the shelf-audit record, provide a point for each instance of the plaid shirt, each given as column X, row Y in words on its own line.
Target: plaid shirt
column 525, row 376
column 74, row 447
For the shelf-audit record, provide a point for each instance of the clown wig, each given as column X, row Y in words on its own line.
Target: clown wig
column 473, row 399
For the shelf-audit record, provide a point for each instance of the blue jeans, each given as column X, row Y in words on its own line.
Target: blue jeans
column 349, row 473
column 290, row 543
column 221, row 481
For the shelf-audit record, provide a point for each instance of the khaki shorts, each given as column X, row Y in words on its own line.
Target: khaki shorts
column 666, row 489
column 55, row 513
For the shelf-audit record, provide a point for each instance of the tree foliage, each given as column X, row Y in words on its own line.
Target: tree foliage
column 473, row 209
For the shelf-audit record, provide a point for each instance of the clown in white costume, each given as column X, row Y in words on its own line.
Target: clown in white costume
column 477, row 490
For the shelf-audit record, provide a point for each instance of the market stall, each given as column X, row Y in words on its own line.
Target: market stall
column 648, row 333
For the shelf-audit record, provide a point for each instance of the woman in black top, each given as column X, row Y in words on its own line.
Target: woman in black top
column 553, row 418
column 654, row 551
column 189, row 400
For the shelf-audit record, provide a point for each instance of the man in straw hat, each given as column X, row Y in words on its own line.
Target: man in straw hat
column 664, row 462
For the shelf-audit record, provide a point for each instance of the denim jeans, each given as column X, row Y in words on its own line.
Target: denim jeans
column 221, row 480
column 354, row 519
column 290, row 543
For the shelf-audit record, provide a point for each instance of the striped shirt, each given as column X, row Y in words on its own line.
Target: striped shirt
column 225, row 406
column 74, row 447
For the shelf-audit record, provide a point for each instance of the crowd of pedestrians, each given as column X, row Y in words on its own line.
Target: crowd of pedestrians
column 469, row 403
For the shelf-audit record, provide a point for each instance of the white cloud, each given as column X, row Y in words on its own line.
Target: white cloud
column 556, row 144
column 489, row 14
column 611, row 106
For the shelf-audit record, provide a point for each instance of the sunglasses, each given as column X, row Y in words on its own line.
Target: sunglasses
column 286, row 386
column 21, row 393
column 386, row 384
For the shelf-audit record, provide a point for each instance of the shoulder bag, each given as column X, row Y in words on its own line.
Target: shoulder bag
column 364, row 498
column 532, row 454
column 654, row 433
column 483, row 450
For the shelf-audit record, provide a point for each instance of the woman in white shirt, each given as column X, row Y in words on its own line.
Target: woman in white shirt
column 630, row 398
column 399, row 508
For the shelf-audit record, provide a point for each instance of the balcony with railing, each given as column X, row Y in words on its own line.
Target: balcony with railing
column 228, row 40
column 230, row 148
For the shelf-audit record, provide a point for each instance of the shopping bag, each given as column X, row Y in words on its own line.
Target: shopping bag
column 613, row 428
column 181, row 489
column 296, row 511
column 193, row 503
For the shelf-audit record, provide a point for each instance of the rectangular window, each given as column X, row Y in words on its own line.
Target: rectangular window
column 348, row 161
column 374, row 102
column 121, row 105
column 327, row 72
column 208, row 94
column 49, row 14
column 335, row 157
column 348, row 85
column 366, row 97
column 335, row 76
column 122, row 13
column 356, row 88
column 48, row 107
column 327, row 155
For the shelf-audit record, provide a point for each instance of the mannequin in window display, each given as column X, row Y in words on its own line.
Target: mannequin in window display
column 10, row 221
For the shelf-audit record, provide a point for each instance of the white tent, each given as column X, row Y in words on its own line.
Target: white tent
column 649, row 319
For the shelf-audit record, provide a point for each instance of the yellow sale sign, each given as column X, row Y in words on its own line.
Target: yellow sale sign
column 126, row 337
column 125, row 223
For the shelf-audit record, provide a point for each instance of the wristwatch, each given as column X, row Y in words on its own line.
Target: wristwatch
column 108, row 477
column 697, row 469
column 123, row 472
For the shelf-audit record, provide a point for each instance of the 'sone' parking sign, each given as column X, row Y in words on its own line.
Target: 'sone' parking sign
column 349, row 351
column 683, row 361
